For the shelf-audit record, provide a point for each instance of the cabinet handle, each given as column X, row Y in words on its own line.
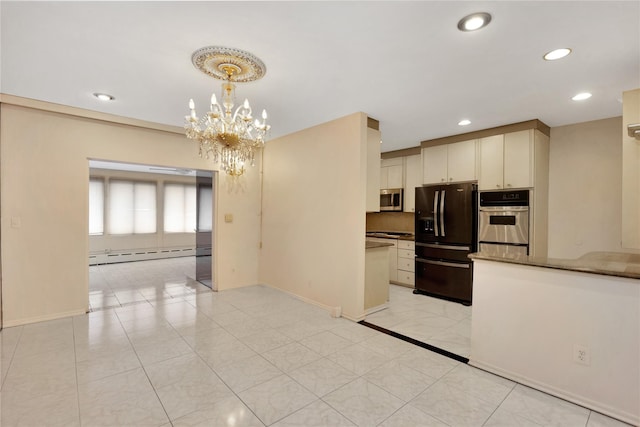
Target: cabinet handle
column 498, row 185
column 441, row 179
column 508, row 185
column 450, row 179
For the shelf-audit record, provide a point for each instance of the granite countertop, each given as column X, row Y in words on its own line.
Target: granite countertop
column 399, row 235
column 619, row 264
column 372, row 245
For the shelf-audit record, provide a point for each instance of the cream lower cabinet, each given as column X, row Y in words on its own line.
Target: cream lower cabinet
column 406, row 263
column 455, row 162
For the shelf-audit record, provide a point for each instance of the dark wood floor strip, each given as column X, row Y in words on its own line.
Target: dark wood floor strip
column 416, row 342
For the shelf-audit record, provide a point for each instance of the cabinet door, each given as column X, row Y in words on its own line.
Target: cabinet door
column 412, row 179
column 491, row 162
column 393, row 263
column 394, row 176
column 518, row 171
column 434, row 163
column 384, row 177
column 461, row 161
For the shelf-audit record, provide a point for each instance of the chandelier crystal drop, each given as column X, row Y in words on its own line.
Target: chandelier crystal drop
column 230, row 136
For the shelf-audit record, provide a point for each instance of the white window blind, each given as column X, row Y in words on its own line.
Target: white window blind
column 179, row 208
column 96, row 207
column 132, row 207
column 205, row 213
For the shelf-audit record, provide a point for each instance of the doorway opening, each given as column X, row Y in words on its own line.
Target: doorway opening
column 150, row 233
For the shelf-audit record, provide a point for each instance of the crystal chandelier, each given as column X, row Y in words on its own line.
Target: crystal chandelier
column 230, row 136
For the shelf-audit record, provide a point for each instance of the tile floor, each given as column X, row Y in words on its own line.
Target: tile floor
column 248, row 357
column 443, row 324
column 116, row 285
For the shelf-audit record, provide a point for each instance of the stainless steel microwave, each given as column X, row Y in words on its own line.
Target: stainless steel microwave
column 391, row 200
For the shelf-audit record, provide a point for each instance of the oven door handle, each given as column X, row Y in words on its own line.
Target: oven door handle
column 443, row 263
column 503, row 208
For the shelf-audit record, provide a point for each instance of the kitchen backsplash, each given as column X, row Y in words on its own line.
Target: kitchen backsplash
column 390, row 221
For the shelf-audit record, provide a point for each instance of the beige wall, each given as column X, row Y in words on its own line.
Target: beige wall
column 630, row 172
column 44, row 192
column 314, row 214
column 585, row 188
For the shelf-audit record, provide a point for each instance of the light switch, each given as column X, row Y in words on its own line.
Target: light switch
column 16, row 222
column 228, row 217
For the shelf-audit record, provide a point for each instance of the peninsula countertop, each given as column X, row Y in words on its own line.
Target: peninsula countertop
column 619, row 264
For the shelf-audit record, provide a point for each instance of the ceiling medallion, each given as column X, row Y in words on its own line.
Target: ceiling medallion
column 230, row 136
column 213, row 61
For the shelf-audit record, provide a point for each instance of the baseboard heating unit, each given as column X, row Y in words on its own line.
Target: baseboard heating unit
column 139, row 255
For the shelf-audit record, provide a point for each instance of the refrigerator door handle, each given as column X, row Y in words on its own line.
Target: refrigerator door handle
column 439, row 246
column 443, row 263
column 435, row 213
column 442, row 213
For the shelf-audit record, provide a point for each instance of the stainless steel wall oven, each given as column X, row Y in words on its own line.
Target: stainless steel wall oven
column 503, row 222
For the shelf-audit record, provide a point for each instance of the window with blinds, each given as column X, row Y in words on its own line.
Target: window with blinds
column 179, row 208
column 132, row 207
column 96, row 207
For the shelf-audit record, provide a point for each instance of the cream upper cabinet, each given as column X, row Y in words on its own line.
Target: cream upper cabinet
column 454, row 162
column 518, row 159
column 412, row 179
column 461, row 161
column 491, row 154
column 391, row 173
column 506, row 161
column 434, row 164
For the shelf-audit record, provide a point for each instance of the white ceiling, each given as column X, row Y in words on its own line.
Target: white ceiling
column 403, row 63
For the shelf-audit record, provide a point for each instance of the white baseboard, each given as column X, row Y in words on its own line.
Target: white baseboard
column 36, row 319
column 376, row 309
column 354, row 319
column 333, row 311
column 633, row 419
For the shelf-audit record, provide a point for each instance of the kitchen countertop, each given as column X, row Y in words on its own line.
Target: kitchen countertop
column 619, row 264
column 372, row 245
column 399, row 235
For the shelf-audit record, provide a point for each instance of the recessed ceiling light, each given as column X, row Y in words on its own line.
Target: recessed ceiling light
column 557, row 54
column 104, row 96
column 475, row 21
column 582, row 96
column 464, row 122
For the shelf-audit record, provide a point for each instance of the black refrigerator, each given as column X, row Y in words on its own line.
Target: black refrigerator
column 446, row 221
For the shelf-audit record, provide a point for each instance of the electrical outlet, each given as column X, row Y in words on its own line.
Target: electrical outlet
column 581, row 354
